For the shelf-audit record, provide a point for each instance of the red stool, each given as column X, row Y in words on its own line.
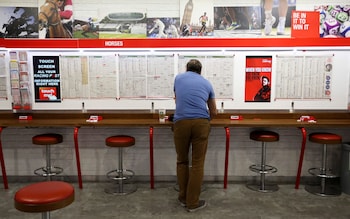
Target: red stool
column 323, row 172
column 120, row 174
column 48, row 140
column 44, row 197
column 263, row 169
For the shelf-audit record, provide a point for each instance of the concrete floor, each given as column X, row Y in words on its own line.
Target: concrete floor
column 237, row 201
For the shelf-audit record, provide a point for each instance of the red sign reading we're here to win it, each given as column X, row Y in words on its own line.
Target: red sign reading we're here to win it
column 305, row 24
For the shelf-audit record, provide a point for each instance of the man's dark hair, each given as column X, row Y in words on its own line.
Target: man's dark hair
column 268, row 79
column 194, row 65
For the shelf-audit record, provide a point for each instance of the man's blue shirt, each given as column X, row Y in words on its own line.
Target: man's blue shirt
column 192, row 92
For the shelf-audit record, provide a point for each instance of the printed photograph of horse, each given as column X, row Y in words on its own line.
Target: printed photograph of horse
column 86, row 28
column 55, row 19
column 111, row 25
column 18, row 22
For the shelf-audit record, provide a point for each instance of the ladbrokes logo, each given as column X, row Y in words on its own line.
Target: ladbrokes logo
column 266, row 61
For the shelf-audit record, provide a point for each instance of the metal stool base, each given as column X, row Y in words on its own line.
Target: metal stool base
column 120, row 174
column 43, row 171
column 124, row 189
column 329, row 190
column 263, row 168
column 267, row 188
column 123, row 186
column 322, row 173
column 257, row 168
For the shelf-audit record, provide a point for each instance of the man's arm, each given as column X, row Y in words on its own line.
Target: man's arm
column 212, row 107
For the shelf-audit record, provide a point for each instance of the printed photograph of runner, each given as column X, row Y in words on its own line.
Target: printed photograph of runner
column 237, row 22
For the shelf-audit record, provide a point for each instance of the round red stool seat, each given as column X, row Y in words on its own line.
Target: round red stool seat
column 120, row 141
column 44, row 196
column 325, row 138
column 262, row 135
column 47, row 139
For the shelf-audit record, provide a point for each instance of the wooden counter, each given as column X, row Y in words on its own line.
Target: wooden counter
column 52, row 119
column 136, row 119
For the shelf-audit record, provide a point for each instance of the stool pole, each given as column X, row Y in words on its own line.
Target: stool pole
column 324, row 167
column 45, row 215
column 121, row 176
column 263, row 163
column 48, row 162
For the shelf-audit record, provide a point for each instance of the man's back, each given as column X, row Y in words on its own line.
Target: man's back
column 192, row 92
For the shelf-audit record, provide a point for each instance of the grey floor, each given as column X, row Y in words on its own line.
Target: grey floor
column 237, row 201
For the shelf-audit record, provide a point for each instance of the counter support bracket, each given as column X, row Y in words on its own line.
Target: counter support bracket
column 227, row 151
column 301, row 157
column 151, row 157
column 77, row 156
column 3, row 169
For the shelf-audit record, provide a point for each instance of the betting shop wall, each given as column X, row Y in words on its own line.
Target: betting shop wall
column 140, row 80
column 53, row 79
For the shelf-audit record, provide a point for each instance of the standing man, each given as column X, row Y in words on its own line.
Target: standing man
column 195, row 105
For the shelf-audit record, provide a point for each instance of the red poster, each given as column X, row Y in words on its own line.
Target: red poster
column 305, row 24
column 258, row 79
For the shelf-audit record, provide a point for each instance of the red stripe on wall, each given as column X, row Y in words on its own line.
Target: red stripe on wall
column 173, row 43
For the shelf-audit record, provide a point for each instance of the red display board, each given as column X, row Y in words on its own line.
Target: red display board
column 305, row 24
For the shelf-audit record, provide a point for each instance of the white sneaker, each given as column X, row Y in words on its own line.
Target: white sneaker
column 280, row 32
column 280, row 28
column 268, row 25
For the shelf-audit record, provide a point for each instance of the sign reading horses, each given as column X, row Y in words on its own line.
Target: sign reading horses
column 46, row 79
